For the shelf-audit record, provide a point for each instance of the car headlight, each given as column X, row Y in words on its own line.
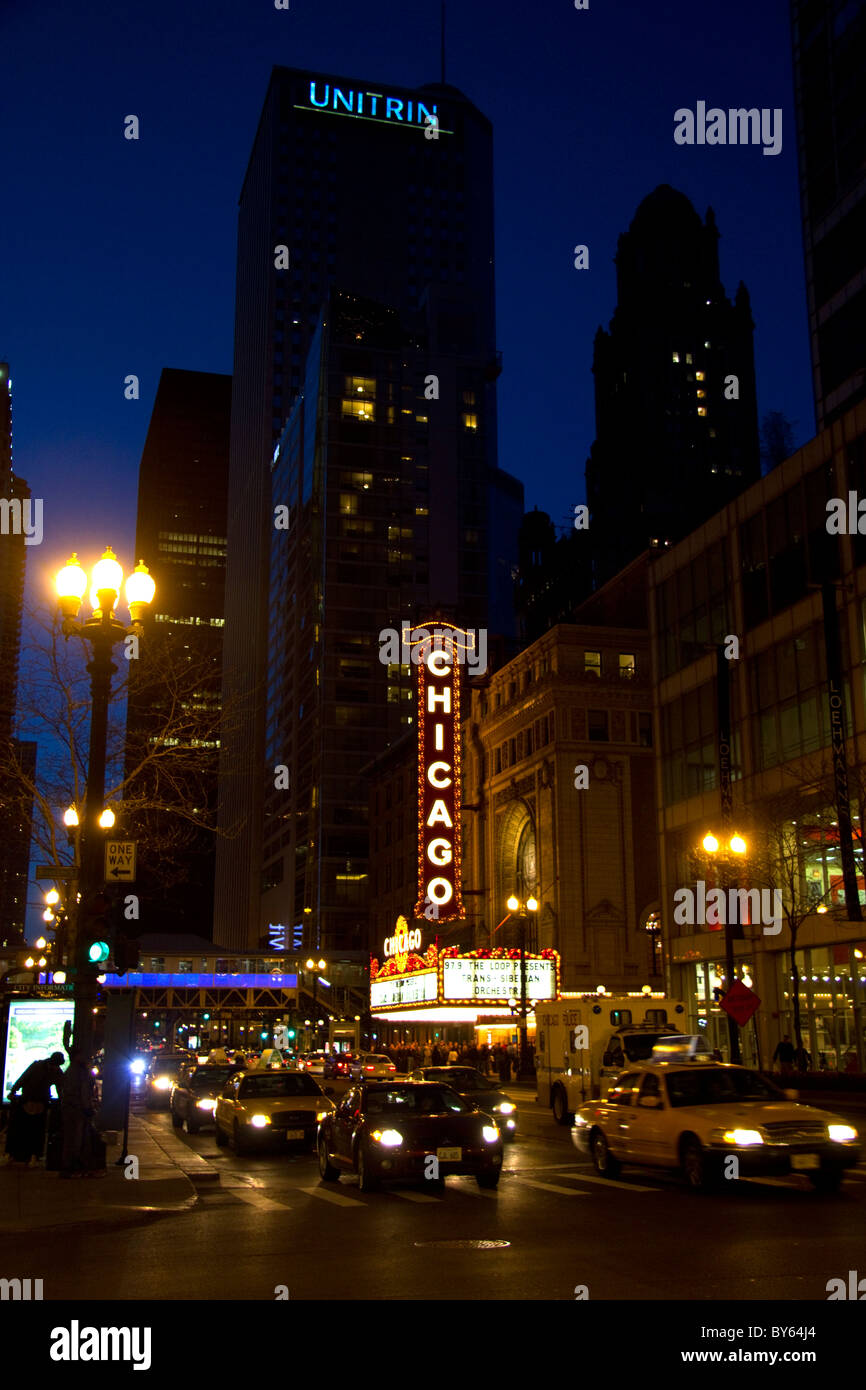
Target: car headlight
column 389, row 1138
column 322, row 1115
column 841, row 1134
column 162, row 1083
column 742, row 1137
column 506, row 1108
column 206, row 1104
column 137, row 1067
column 490, row 1133
column 259, row 1121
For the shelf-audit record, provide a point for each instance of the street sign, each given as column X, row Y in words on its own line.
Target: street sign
column 740, row 1002
column 64, row 873
column 120, row 861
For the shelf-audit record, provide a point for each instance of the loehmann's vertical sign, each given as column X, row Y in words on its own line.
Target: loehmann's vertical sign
column 439, row 780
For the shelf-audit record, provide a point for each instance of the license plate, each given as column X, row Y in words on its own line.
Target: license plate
column 449, row 1155
column 294, row 1134
column 800, row 1161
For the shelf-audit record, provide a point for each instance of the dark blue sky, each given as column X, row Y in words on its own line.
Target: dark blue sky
column 118, row 257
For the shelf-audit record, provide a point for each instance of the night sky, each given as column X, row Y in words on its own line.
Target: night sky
column 119, row 257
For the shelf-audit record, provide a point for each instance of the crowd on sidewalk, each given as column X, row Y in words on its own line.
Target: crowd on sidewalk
column 501, row 1059
column 58, row 1131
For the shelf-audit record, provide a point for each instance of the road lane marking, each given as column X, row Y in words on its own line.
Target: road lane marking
column 257, row 1199
column 612, row 1182
column 413, row 1196
column 335, row 1197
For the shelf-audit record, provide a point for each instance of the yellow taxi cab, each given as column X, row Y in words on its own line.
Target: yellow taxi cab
column 683, row 1110
column 261, row 1106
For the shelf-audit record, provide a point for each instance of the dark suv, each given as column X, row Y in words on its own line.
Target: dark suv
column 194, row 1093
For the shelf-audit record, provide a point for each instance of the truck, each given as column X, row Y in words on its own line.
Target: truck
column 583, row 1041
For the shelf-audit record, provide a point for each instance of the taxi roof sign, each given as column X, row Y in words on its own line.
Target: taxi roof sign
column 682, row 1047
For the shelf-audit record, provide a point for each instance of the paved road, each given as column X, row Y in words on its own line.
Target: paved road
column 270, row 1221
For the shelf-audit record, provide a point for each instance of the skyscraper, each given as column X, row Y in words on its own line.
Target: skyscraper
column 387, row 196
column 15, row 808
column 181, row 535
column 829, row 49
column 676, row 413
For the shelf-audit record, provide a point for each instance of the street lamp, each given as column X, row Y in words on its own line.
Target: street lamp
column 735, row 848
column 102, row 629
column 516, row 907
column 315, row 966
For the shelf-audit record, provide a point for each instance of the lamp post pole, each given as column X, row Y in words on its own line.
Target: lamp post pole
column 102, row 630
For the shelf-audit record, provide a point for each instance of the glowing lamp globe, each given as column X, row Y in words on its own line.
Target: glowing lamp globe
column 710, row 844
column 738, row 845
column 512, row 904
column 140, row 589
column 71, row 586
column 105, row 581
column 531, row 905
column 70, row 817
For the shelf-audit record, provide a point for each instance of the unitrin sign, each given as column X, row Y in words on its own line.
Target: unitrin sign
column 371, row 106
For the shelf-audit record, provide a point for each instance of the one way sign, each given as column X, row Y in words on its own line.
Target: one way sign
column 120, row 861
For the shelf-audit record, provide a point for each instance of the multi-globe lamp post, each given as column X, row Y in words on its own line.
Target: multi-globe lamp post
column 102, row 630
column 515, row 906
column 315, row 967
column 734, row 851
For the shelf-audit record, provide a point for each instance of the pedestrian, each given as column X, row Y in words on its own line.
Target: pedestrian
column 784, row 1054
column 802, row 1060
column 428, row 1055
column 484, row 1060
column 26, row 1136
column 76, row 1110
column 504, row 1065
column 452, row 1056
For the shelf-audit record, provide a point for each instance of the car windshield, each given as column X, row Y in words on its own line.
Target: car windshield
column 279, row 1083
column 417, row 1100
column 170, row 1066
column 210, row 1076
column 462, row 1078
column 639, row 1047
column 717, row 1086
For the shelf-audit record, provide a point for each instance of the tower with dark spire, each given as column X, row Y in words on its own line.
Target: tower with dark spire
column 676, row 412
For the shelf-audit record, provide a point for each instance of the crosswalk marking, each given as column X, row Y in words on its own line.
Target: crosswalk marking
column 336, row 1197
column 413, row 1196
column 258, row 1199
column 552, row 1187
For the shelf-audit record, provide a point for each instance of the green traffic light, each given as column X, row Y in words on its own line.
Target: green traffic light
column 99, row 951
column 291, row 1032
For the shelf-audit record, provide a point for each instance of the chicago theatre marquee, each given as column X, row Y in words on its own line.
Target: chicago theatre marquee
column 417, row 980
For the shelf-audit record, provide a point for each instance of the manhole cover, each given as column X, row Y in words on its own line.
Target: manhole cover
column 466, row 1244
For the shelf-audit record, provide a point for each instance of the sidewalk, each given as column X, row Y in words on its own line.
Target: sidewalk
column 33, row 1200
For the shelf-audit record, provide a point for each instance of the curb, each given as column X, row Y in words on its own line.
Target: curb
column 195, row 1169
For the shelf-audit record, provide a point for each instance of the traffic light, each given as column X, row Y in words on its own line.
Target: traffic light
column 125, row 954
column 291, row 1035
column 97, row 933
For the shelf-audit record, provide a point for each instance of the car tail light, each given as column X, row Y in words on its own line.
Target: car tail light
column 392, row 1068
column 368, row 1069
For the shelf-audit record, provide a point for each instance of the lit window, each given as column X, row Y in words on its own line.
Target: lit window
column 688, row 357
column 675, row 357
column 422, row 511
column 468, row 397
column 360, row 386
column 358, row 408
column 348, row 503
column 626, row 665
column 421, row 419
column 702, row 410
column 700, row 375
column 592, row 663
column 469, row 422
column 701, row 394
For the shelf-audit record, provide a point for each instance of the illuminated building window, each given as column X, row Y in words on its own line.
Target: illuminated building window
column 468, row 397
column 592, row 663
column 358, row 408
column 626, row 665
column 422, row 511
column 421, row 420
column 675, row 357
column 348, row 504
column 469, row 422
column 701, row 394
column 702, row 410
column 688, row 357
column 701, row 376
